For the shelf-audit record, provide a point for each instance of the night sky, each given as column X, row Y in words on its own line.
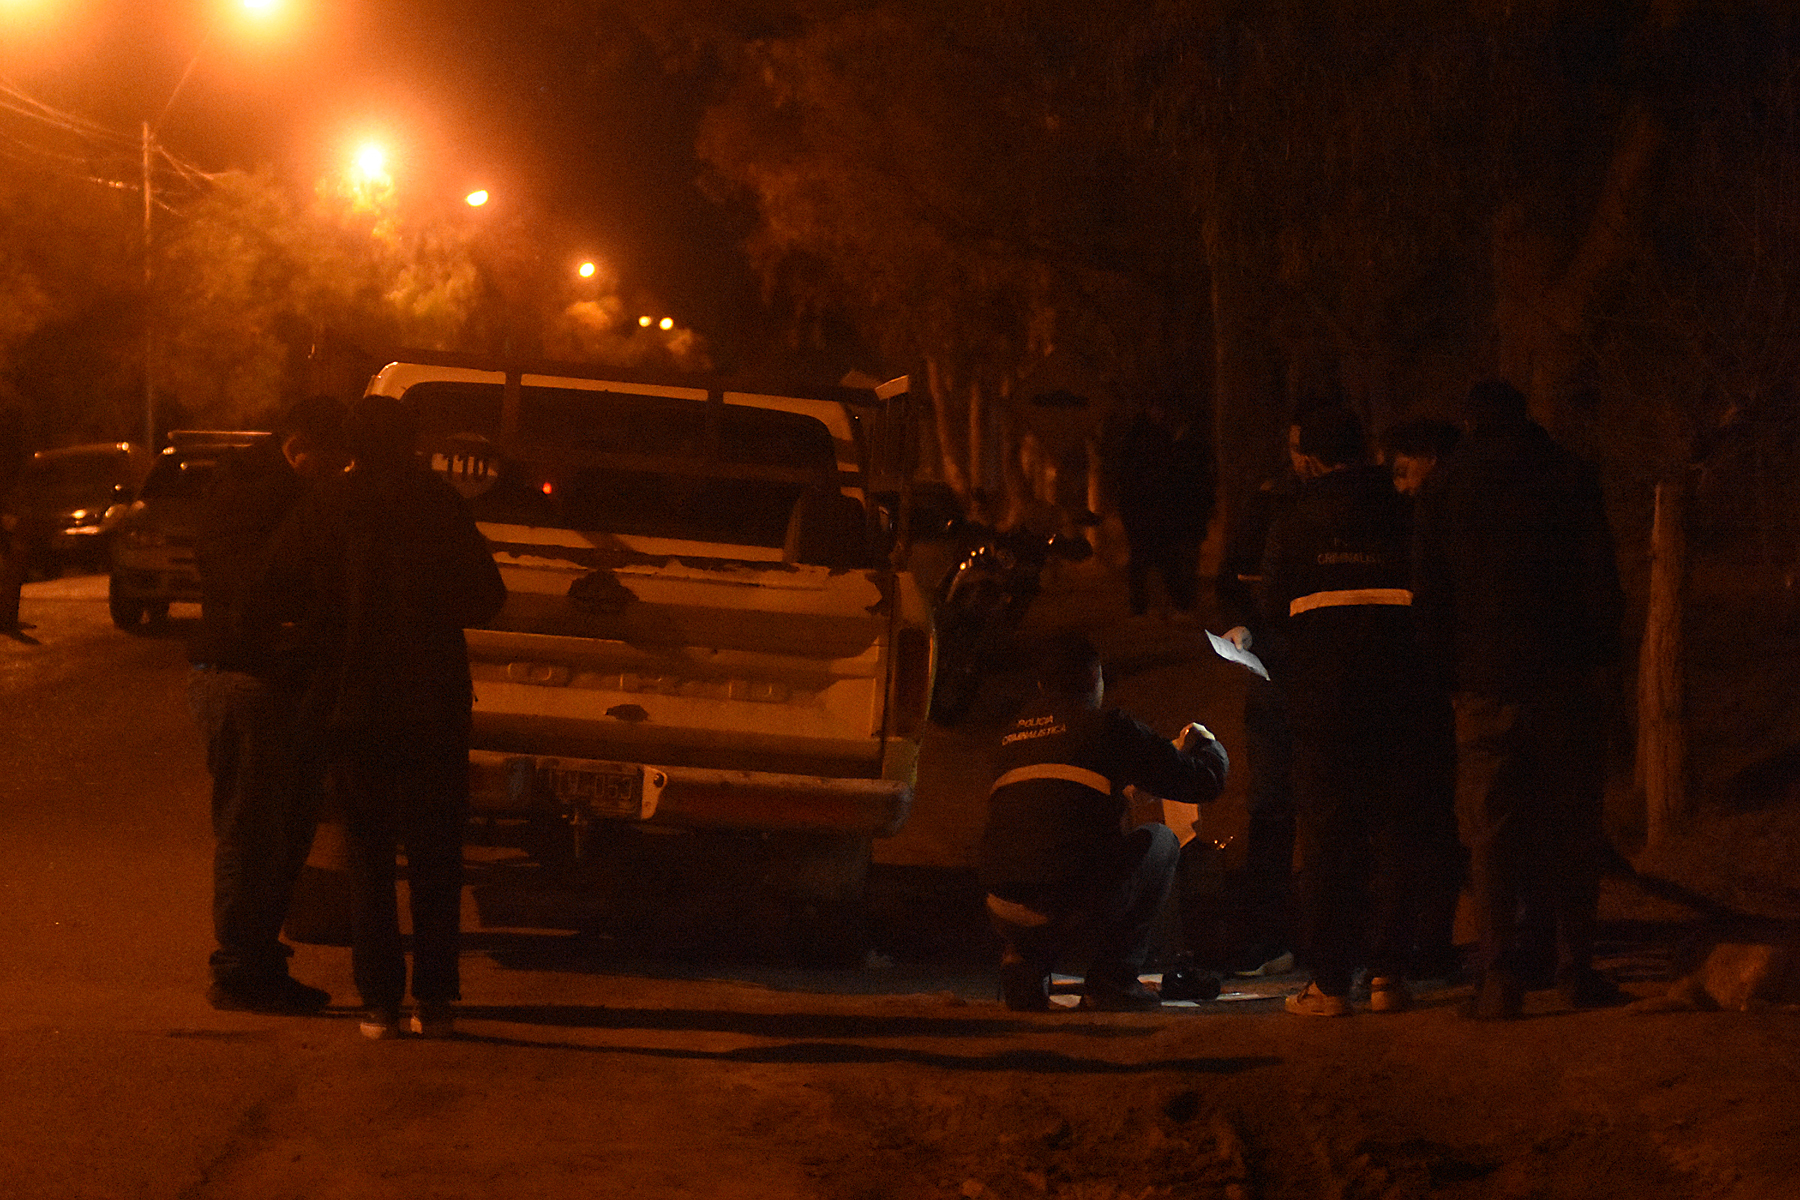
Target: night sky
column 576, row 121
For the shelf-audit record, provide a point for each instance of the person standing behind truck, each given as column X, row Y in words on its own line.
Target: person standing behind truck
column 244, row 691
column 1054, row 850
column 383, row 567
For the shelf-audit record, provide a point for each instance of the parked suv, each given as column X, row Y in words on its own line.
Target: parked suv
column 69, row 501
column 153, row 546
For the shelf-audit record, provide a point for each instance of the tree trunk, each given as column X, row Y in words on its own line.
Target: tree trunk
column 942, row 412
column 1662, row 735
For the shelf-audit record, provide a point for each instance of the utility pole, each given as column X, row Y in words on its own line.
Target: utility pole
column 149, row 309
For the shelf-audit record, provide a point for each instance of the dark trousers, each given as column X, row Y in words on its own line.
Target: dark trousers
column 1444, row 863
column 12, row 579
column 408, row 788
column 1360, row 830
column 1122, row 898
column 265, row 806
column 1529, row 800
column 1267, row 880
column 1176, row 559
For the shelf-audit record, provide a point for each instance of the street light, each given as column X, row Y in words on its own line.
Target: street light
column 371, row 162
column 256, row 8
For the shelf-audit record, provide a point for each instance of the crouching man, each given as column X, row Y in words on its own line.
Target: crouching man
column 1055, row 854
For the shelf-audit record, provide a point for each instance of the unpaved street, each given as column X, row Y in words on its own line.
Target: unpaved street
column 580, row 1072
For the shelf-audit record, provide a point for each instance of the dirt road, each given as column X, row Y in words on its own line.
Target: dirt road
column 581, row 1072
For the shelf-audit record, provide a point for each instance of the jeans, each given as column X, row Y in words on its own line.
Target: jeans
column 265, row 806
column 408, row 788
column 1123, row 897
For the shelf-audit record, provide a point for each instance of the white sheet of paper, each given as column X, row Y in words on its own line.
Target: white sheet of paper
column 1230, row 653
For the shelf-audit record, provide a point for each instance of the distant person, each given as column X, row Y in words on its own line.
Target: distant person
column 383, row 567
column 1412, row 450
column 12, row 556
column 1266, row 880
column 1336, row 574
column 1055, row 853
column 1519, row 603
column 1164, row 480
column 245, row 689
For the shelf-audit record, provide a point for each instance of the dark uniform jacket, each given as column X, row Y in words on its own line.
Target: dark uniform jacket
column 1240, row 588
column 384, row 571
column 1337, row 579
column 250, row 496
column 1058, row 799
column 1517, row 587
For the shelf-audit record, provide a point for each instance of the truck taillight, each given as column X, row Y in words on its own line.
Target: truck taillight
column 912, row 681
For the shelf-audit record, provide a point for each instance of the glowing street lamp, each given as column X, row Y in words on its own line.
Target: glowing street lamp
column 585, row 270
column 476, row 198
column 371, row 163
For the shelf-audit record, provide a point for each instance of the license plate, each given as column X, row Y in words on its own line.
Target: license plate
column 606, row 791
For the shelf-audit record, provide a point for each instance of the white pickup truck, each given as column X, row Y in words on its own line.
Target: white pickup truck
column 704, row 628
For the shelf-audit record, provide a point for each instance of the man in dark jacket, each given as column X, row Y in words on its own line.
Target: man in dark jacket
column 1336, row 574
column 1520, row 605
column 1266, row 882
column 1055, row 851
column 1164, row 479
column 383, row 568
column 245, row 691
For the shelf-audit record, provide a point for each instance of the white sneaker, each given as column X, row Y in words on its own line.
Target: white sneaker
column 1389, row 994
column 1311, row 1002
column 381, row 1024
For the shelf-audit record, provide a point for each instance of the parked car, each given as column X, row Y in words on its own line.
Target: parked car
column 153, row 546
column 69, row 501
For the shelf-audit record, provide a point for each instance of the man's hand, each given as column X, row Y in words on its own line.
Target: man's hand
column 1238, row 636
column 1190, row 733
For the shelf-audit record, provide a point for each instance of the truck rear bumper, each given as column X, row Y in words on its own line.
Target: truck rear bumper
column 690, row 797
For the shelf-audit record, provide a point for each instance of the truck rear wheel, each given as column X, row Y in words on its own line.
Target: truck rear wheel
column 818, row 888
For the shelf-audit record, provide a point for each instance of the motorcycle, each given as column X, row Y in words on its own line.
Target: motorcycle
column 981, row 603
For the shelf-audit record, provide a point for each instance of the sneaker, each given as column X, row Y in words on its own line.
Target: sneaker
column 380, row 1023
column 282, row 994
column 1260, row 961
column 1498, row 998
column 434, row 1019
column 1100, row 995
column 1185, row 981
column 1311, row 1002
column 1389, row 994
column 1584, row 987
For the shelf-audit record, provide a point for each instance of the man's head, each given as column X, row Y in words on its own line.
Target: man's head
column 1496, row 403
column 1069, row 667
column 1324, row 438
column 311, row 436
column 1414, row 449
column 382, row 434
